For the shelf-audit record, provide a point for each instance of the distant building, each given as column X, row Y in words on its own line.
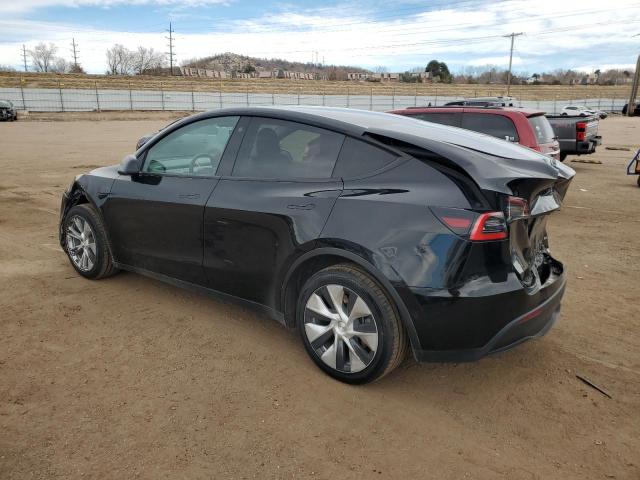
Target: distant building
column 275, row 73
column 386, row 77
column 202, row 72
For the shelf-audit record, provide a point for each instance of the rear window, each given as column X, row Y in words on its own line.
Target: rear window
column 491, row 124
column 360, row 158
column 542, row 129
column 449, row 118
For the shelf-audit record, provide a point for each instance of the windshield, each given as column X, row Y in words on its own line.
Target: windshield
column 542, row 129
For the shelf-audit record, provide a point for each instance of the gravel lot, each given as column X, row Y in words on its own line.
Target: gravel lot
column 129, row 377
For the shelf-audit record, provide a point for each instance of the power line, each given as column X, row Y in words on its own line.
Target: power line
column 454, row 41
column 513, row 36
column 407, row 30
column 404, row 30
column 24, row 57
column 170, row 52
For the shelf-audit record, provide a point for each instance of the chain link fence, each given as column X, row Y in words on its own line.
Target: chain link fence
column 100, row 99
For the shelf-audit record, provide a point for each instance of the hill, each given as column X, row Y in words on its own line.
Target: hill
column 232, row 62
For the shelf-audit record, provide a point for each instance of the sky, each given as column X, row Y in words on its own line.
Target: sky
column 400, row 35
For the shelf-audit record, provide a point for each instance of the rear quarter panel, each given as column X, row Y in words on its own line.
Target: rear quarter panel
column 386, row 220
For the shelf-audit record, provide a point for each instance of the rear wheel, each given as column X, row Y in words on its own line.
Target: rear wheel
column 563, row 156
column 86, row 243
column 349, row 326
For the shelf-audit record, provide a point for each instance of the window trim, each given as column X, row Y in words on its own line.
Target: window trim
column 187, row 124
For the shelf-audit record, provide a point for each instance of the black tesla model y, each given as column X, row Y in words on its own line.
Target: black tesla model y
column 369, row 233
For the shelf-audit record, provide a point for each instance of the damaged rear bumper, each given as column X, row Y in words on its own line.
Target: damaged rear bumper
column 474, row 327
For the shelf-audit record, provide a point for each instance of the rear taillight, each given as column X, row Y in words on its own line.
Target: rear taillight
column 516, row 208
column 489, row 226
column 581, row 129
column 473, row 225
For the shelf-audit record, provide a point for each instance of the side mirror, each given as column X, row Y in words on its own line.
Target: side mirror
column 129, row 165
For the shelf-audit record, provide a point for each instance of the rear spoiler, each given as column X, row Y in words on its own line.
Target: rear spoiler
column 488, row 171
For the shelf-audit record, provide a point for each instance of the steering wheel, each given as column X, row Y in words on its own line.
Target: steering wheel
column 194, row 161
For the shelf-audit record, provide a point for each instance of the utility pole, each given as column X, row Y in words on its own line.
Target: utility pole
column 75, row 53
column 170, row 52
column 634, row 90
column 24, row 56
column 513, row 36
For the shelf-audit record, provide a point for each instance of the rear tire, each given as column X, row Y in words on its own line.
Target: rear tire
column 349, row 325
column 563, row 157
column 86, row 243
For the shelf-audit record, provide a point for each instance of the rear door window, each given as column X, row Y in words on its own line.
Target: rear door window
column 359, row 158
column 491, row 124
column 452, row 119
column 279, row 149
column 542, row 129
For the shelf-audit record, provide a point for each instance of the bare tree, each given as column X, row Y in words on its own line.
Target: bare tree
column 43, row 56
column 381, row 69
column 120, row 60
column 59, row 65
column 7, row 68
column 147, row 59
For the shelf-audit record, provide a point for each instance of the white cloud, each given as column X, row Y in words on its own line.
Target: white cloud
column 571, row 33
column 606, row 66
column 20, row 6
column 502, row 61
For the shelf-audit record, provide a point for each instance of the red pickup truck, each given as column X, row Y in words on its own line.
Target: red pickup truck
column 527, row 127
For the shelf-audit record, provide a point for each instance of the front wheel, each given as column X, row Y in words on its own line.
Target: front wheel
column 85, row 242
column 349, row 326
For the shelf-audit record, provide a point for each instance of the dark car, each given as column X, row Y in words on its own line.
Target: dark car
column 577, row 135
column 636, row 109
column 525, row 126
column 482, row 102
column 367, row 232
column 7, row 111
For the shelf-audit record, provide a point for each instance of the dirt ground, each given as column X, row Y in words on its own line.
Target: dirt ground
column 131, row 378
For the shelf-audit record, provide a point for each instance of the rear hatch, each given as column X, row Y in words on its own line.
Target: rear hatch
column 526, row 214
column 520, row 185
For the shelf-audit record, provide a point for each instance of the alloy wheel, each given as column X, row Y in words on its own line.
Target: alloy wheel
column 341, row 328
column 81, row 243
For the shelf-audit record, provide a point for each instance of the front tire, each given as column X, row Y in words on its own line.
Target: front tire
column 86, row 244
column 349, row 325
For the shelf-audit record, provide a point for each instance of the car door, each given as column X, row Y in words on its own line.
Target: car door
column 271, row 207
column 155, row 217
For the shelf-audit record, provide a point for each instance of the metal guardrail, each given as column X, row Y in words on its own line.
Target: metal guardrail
column 82, row 100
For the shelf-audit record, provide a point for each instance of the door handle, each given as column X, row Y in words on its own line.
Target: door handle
column 189, row 195
column 307, row 206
